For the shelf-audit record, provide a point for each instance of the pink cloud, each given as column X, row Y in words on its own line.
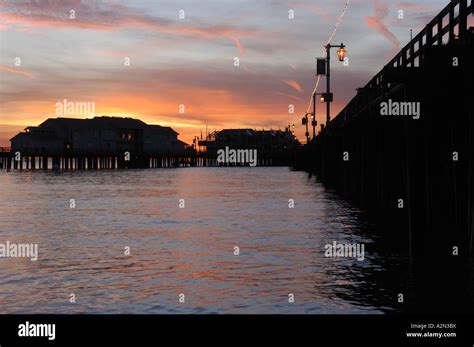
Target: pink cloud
column 297, row 98
column 17, row 71
column 237, row 43
column 294, row 85
column 376, row 22
column 313, row 8
column 405, row 5
column 378, row 26
column 107, row 17
column 320, row 12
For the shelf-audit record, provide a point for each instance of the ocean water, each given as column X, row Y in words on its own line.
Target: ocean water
column 190, row 250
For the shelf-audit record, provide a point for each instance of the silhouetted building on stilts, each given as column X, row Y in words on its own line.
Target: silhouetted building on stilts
column 273, row 147
column 98, row 136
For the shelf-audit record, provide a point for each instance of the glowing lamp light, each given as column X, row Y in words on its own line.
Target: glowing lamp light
column 341, row 53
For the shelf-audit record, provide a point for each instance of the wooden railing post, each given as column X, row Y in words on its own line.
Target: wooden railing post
column 412, row 54
column 451, row 21
column 463, row 13
column 440, row 31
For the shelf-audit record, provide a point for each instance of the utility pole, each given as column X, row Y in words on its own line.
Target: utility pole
column 314, row 115
column 328, row 84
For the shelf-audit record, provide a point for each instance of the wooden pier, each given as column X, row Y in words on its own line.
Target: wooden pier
column 38, row 159
column 414, row 176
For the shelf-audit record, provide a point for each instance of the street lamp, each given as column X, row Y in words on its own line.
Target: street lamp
column 326, row 97
column 341, row 53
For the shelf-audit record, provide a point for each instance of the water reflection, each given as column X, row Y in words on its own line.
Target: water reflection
column 188, row 250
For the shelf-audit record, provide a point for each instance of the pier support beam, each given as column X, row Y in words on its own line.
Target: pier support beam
column 45, row 163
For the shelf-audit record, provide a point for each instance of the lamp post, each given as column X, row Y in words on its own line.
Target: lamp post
column 314, row 122
column 304, row 121
column 341, row 53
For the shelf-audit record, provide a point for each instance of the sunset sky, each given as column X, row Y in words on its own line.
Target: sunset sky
column 190, row 61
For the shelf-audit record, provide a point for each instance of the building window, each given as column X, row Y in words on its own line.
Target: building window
column 127, row 136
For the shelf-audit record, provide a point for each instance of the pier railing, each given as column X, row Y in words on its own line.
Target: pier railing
column 448, row 25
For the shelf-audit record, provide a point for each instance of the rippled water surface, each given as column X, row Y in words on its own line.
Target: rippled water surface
column 185, row 250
